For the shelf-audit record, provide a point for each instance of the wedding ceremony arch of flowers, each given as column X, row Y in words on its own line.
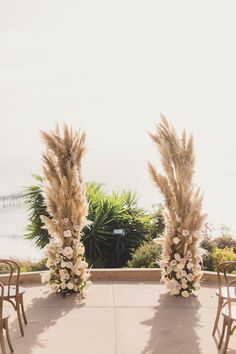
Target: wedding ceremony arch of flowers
column 64, row 194
column 181, row 254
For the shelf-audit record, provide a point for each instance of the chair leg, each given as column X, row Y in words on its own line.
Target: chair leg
column 22, row 309
column 219, row 307
column 223, row 333
column 227, row 336
column 7, row 335
column 19, row 318
column 2, row 342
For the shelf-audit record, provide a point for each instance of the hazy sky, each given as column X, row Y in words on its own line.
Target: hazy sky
column 110, row 67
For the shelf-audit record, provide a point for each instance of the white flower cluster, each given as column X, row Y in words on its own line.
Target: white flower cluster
column 65, row 259
column 181, row 274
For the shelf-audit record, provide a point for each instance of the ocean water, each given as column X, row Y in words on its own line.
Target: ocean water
column 13, row 222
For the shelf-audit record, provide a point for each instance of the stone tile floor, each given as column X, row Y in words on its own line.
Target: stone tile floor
column 118, row 318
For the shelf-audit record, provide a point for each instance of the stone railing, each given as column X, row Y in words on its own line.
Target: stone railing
column 122, row 274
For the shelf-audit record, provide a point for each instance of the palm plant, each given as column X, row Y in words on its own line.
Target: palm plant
column 103, row 248
column 33, row 196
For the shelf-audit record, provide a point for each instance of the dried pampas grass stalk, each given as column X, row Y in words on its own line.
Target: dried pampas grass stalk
column 181, row 258
column 65, row 198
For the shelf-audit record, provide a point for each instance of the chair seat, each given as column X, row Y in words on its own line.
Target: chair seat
column 5, row 314
column 224, row 295
column 225, row 312
column 12, row 292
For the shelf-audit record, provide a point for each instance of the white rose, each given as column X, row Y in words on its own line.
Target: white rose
column 70, row 286
column 178, row 275
column 59, row 242
column 57, row 260
column 46, row 277
column 175, row 292
column 180, row 267
column 63, row 286
column 63, row 264
column 176, row 240
column 69, row 265
column 184, row 285
column 190, row 277
column 75, row 270
column 83, row 264
column 173, row 263
column 196, row 285
column 68, row 252
column 67, row 233
column 66, row 220
column 190, row 265
column 177, row 257
column 77, row 228
column 64, row 274
column 80, row 249
column 185, row 293
column 185, row 232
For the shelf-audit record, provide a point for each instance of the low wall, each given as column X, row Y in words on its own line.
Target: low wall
column 122, row 274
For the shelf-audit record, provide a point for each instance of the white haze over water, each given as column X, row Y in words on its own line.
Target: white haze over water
column 109, row 68
column 13, row 222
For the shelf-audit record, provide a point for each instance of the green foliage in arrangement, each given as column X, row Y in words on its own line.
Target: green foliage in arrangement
column 103, row 248
column 34, row 200
column 146, row 256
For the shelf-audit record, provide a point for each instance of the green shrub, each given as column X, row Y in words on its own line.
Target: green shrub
column 26, row 266
column 146, row 256
column 222, row 255
column 106, row 212
column 109, row 212
column 213, row 241
column 157, row 225
column 225, row 240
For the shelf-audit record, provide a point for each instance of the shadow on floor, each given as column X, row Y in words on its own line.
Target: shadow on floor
column 169, row 333
column 42, row 313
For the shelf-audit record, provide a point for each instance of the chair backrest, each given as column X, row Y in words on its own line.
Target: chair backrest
column 13, row 271
column 1, row 302
column 231, row 284
column 223, row 268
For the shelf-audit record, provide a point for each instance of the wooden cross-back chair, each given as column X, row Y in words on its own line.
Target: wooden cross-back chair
column 229, row 316
column 13, row 293
column 222, row 291
column 4, row 315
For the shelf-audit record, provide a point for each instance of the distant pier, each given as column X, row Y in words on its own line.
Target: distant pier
column 11, row 200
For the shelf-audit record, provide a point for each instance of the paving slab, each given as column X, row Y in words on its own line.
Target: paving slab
column 118, row 318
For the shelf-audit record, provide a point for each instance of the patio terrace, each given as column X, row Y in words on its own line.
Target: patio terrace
column 118, row 317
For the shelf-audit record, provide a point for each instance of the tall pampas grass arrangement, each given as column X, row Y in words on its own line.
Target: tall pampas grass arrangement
column 181, row 257
column 64, row 194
